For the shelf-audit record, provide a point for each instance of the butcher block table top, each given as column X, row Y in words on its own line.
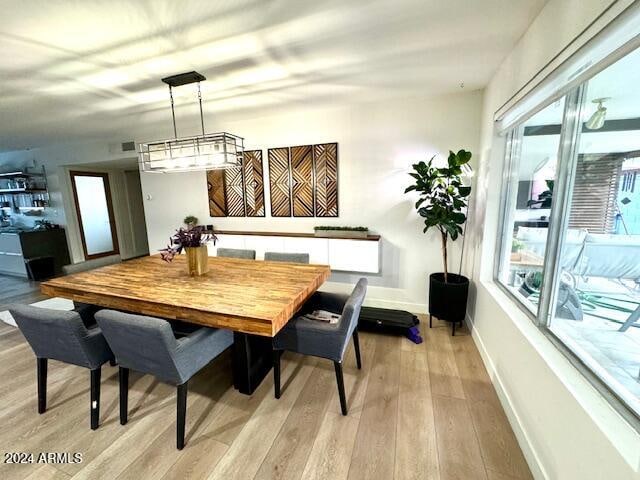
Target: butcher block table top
column 247, row 296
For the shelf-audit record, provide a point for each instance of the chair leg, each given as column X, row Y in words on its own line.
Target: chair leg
column 340, row 380
column 453, row 328
column 430, row 321
column 123, row 377
column 181, row 414
column 276, row 373
column 356, row 347
column 42, row 384
column 95, row 398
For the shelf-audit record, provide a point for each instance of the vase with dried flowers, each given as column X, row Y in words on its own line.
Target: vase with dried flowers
column 194, row 242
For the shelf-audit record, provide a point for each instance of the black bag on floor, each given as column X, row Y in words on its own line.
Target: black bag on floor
column 385, row 320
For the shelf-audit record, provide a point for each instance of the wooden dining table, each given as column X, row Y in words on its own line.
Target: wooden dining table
column 253, row 298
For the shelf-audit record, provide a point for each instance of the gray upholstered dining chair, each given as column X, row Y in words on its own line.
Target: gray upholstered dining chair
column 61, row 335
column 320, row 339
column 237, row 253
column 286, row 257
column 148, row 345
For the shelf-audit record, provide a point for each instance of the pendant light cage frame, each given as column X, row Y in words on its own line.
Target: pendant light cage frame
column 201, row 152
column 212, row 151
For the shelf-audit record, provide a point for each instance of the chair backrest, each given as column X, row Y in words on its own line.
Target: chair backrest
column 60, row 335
column 351, row 311
column 141, row 343
column 90, row 264
column 237, row 253
column 286, row 257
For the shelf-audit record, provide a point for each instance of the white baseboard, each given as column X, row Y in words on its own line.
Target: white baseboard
column 533, row 459
column 397, row 305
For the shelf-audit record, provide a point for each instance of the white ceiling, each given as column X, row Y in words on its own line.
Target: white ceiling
column 91, row 69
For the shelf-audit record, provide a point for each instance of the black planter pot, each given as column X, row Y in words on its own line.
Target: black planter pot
column 448, row 301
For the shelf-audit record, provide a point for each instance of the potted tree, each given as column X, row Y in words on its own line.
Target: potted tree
column 442, row 204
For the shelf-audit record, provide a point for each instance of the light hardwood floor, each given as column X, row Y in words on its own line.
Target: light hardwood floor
column 416, row 412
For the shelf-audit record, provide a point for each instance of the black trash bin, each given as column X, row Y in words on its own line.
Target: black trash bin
column 40, row 268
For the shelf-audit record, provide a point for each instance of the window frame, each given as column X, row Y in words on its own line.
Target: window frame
column 513, row 148
column 571, row 128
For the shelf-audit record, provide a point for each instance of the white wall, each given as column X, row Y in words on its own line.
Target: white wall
column 378, row 142
column 567, row 430
column 58, row 160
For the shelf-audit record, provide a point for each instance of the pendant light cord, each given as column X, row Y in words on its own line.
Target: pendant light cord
column 173, row 113
column 201, row 114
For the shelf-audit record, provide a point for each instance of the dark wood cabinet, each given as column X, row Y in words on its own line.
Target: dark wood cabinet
column 16, row 249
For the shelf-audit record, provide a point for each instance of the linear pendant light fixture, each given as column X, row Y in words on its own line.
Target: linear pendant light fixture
column 210, row 151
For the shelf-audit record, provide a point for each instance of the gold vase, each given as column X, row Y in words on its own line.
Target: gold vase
column 197, row 260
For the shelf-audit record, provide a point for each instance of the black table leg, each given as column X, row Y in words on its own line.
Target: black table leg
column 276, row 372
column 252, row 360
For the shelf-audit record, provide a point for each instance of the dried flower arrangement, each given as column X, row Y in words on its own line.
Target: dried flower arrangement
column 186, row 238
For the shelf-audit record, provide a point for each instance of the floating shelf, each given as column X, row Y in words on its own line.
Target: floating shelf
column 22, row 190
column 23, row 173
column 11, row 174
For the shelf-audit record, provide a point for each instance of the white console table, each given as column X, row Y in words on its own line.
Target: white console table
column 341, row 254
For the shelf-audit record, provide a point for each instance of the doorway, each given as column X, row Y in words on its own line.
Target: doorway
column 94, row 207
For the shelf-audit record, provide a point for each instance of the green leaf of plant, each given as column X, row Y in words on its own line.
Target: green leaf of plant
column 442, row 194
column 463, row 156
column 458, row 217
column 452, row 160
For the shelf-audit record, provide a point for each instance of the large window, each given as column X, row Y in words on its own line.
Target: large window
column 570, row 242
